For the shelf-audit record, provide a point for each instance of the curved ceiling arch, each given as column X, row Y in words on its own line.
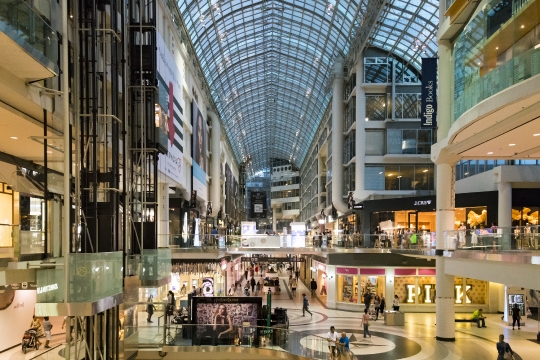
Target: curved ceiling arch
column 268, row 62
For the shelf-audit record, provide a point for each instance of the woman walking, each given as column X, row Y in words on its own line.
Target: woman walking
column 382, row 305
column 365, row 323
column 504, row 348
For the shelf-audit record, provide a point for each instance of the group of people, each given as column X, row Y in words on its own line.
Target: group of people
column 338, row 346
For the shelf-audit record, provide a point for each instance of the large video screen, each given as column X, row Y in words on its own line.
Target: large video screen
column 220, row 320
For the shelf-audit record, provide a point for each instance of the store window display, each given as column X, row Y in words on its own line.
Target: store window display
column 347, row 288
column 373, row 285
column 426, row 290
column 470, row 291
column 405, row 289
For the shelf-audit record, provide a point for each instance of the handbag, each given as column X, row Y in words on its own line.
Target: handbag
column 508, row 356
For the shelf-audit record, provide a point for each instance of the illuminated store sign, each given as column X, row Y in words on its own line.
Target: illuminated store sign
column 459, row 294
column 47, row 288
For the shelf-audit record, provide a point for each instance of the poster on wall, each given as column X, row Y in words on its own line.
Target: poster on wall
column 208, row 286
column 199, row 151
column 169, row 114
column 220, row 320
column 228, row 190
column 298, row 234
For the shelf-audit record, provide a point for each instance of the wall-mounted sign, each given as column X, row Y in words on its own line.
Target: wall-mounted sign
column 422, row 202
column 47, row 288
column 428, row 114
column 273, row 259
column 358, row 206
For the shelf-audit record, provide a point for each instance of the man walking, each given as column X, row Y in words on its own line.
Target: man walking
column 313, row 287
column 305, row 305
column 47, row 327
column 252, row 283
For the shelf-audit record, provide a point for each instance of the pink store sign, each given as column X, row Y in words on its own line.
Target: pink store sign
column 426, row 272
column 372, row 271
column 347, row 270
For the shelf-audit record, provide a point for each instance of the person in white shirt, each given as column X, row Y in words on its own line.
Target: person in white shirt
column 332, row 338
column 395, row 303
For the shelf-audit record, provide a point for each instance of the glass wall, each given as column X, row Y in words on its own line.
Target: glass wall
column 408, row 106
column 497, row 49
column 409, row 141
column 399, row 177
column 375, row 107
column 349, row 147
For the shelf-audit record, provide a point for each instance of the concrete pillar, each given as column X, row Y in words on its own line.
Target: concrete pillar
column 359, row 191
column 215, row 186
column 444, row 303
column 274, row 220
column 320, row 186
column 504, row 217
column 337, row 137
column 445, row 90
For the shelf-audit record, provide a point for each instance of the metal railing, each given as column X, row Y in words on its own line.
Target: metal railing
column 301, row 343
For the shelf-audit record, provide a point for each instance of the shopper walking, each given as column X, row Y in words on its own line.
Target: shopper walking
column 150, row 308
column 305, row 305
column 516, row 316
column 293, row 287
column 253, row 283
column 503, row 349
column 382, row 305
column 297, row 274
column 47, row 327
column 395, row 303
column 365, row 323
column 257, row 288
column 313, row 287
column 377, row 303
column 367, row 300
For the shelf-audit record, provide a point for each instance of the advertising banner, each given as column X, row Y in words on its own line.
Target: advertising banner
column 221, row 320
column 298, row 235
column 428, row 113
column 199, row 152
column 258, row 204
column 169, row 114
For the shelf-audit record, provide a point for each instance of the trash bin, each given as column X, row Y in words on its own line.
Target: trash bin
column 394, row 318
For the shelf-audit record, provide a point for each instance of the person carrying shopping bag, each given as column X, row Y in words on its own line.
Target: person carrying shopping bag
column 504, row 350
column 365, row 323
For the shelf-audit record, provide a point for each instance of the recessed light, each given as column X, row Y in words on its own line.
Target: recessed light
column 491, row 152
column 425, row 170
column 367, row 119
column 497, row 48
column 536, row 134
column 49, row 152
column 389, row 174
column 14, row 137
column 522, row 26
column 380, row 173
column 511, row 144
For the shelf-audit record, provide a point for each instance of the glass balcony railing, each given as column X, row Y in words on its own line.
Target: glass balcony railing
column 94, row 276
column 497, row 49
column 30, row 31
column 300, row 343
column 152, row 264
column 519, row 238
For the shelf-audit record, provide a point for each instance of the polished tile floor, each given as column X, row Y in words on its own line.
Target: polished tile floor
column 414, row 341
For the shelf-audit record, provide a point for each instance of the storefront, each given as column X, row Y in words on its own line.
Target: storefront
column 415, row 288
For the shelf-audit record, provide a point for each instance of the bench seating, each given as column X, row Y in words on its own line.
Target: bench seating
column 465, row 320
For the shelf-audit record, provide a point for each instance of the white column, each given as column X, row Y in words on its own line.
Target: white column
column 445, row 89
column 320, row 185
column 162, row 215
column 274, row 220
column 444, row 304
column 504, row 218
column 337, row 137
column 359, row 191
column 215, row 186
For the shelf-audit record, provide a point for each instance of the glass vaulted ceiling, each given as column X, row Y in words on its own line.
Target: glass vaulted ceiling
column 268, row 62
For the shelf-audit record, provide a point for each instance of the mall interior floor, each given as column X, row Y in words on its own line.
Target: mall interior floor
column 414, row 341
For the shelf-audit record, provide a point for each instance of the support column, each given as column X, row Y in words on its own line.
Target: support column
column 337, row 137
column 162, row 215
column 359, row 191
column 215, row 173
column 274, row 220
column 504, row 217
column 445, row 90
column 444, row 305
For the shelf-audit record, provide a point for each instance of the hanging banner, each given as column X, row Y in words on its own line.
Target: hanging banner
column 428, row 114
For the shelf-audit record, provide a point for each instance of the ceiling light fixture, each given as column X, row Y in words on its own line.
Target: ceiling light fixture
column 511, row 144
column 329, row 8
column 425, row 170
column 536, row 134
column 14, row 138
column 523, row 26
column 491, row 152
column 367, row 119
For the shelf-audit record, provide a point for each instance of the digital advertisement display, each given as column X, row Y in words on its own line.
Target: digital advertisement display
column 168, row 115
column 199, row 151
column 298, row 235
column 221, row 319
